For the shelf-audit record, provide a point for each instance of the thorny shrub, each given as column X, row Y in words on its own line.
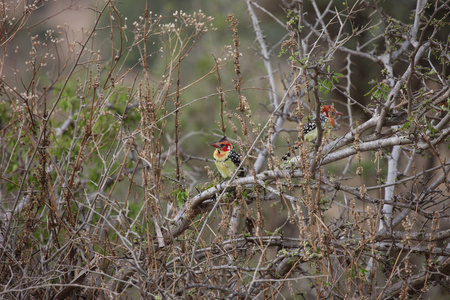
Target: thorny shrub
column 102, row 195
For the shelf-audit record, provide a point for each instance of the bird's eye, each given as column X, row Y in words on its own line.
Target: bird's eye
column 225, row 148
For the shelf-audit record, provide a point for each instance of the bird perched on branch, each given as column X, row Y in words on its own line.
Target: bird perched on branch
column 327, row 115
column 227, row 160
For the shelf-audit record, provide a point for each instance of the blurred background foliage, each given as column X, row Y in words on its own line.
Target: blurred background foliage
column 80, row 17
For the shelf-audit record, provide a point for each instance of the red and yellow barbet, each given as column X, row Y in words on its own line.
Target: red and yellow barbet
column 326, row 117
column 227, row 160
column 326, row 121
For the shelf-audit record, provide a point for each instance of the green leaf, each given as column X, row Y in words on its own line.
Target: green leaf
column 181, row 196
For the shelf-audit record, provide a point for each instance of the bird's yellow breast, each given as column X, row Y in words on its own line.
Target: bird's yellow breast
column 226, row 167
column 220, row 155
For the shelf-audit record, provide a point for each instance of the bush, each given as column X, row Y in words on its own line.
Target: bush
column 108, row 186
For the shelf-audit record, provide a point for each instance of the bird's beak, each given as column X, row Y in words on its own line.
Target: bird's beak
column 215, row 145
column 338, row 113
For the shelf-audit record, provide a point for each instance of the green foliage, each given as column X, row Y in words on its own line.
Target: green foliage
column 380, row 91
column 356, row 273
column 408, row 123
column 324, row 203
column 181, row 195
column 327, row 84
column 293, row 21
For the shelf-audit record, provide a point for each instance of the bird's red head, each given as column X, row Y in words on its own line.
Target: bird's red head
column 223, row 145
column 223, row 148
column 330, row 112
column 329, row 109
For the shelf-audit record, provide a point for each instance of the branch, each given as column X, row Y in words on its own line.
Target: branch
column 192, row 207
column 362, row 147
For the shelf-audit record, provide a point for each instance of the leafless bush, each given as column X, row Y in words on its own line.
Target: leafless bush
column 103, row 198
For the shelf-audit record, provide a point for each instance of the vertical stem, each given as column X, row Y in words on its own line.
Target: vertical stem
column 221, row 95
column 389, row 190
column 348, row 88
column 265, row 55
column 177, row 123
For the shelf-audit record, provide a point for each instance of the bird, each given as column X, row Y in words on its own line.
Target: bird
column 326, row 117
column 226, row 159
